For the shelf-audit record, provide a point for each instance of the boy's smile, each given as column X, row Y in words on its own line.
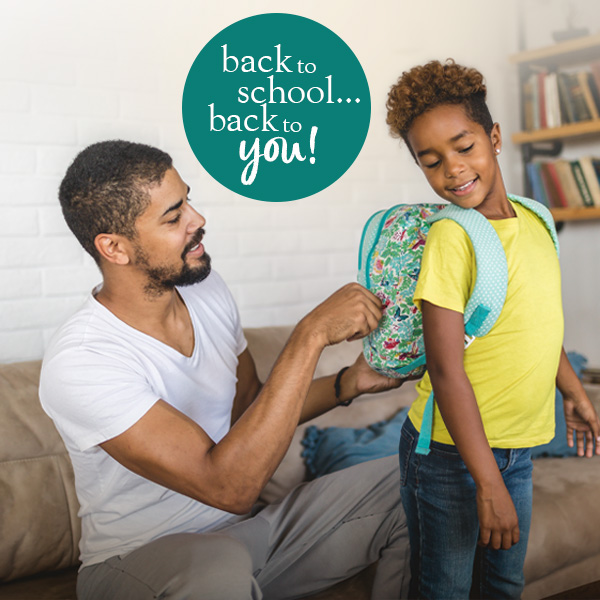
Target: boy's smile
column 459, row 161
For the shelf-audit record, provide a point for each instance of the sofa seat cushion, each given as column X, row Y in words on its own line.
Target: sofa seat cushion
column 566, row 511
column 58, row 585
column 40, row 527
column 564, row 524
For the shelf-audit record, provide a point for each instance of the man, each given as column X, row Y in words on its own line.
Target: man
column 171, row 434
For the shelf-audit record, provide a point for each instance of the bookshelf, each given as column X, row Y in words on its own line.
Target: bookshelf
column 572, row 130
column 548, row 141
column 575, row 214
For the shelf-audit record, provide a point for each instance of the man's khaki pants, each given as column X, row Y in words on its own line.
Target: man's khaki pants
column 324, row 531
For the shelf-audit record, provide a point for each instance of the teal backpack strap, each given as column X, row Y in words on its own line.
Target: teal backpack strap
column 424, row 440
column 543, row 213
column 487, row 300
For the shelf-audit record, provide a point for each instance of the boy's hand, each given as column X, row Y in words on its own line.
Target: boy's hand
column 580, row 415
column 498, row 521
column 581, row 419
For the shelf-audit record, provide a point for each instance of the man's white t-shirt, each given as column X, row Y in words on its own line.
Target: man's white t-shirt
column 100, row 376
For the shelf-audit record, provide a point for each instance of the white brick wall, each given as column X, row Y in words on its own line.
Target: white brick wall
column 73, row 73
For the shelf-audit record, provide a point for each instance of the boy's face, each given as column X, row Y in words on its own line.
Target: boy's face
column 459, row 159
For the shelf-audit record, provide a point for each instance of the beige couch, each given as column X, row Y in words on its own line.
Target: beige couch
column 39, row 527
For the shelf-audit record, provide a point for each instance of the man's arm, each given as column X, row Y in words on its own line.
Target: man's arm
column 167, row 447
column 248, row 385
column 443, row 331
column 580, row 415
column 356, row 380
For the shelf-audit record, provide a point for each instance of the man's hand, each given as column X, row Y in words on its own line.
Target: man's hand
column 581, row 419
column 348, row 314
column 498, row 521
column 361, row 379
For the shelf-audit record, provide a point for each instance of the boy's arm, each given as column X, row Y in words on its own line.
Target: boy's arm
column 443, row 331
column 580, row 415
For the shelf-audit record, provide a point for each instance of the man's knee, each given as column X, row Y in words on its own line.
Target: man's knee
column 224, row 572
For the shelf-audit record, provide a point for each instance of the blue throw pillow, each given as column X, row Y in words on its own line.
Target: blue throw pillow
column 334, row 448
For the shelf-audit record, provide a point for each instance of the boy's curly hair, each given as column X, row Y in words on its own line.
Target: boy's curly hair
column 424, row 87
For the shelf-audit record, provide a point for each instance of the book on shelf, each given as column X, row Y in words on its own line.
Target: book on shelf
column 584, row 190
column 552, row 99
column 595, row 67
column 588, row 106
column 591, row 167
column 553, row 185
column 528, row 105
column 541, row 83
column 553, row 115
column 566, row 102
column 535, row 178
column 566, row 183
column 594, row 95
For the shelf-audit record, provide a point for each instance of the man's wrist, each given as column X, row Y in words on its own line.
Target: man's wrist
column 309, row 336
column 340, row 398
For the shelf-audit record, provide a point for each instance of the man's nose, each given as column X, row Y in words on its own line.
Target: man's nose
column 196, row 219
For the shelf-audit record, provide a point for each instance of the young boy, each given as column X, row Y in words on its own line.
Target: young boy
column 468, row 502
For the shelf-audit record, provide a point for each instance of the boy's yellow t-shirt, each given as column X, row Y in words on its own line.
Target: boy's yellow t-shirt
column 513, row 368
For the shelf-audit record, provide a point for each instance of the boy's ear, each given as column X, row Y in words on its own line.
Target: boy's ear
column 496, row 138
column 112, row 248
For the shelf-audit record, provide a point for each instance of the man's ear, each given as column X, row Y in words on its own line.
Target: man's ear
column 113, row 248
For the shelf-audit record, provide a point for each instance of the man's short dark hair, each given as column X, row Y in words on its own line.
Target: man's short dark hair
column 106, row 189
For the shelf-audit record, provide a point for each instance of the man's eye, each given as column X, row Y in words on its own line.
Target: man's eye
column 175, row 220
column 464, row 150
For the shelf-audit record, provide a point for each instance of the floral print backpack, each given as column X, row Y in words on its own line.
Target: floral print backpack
column 389, row 264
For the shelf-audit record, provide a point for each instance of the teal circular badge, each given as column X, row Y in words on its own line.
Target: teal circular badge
column 276, row 107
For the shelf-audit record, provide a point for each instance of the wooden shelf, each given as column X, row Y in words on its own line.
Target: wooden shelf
column 572, row 130
column 572, row 54
column 583, row 49
column 576, row 213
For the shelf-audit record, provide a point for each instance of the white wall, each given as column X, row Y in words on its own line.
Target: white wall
column 73, row 73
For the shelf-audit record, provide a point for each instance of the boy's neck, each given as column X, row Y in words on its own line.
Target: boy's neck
column 505, row 212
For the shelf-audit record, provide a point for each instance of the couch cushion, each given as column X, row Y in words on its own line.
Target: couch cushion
column 566, row 514
column 40, row 527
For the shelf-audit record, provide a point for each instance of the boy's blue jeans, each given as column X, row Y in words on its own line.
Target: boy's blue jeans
column 439, row 498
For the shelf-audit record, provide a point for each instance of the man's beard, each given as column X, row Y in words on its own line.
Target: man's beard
column 164, row 278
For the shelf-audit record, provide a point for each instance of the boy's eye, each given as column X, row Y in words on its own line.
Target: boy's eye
column 464, row 150
column 432, row 165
